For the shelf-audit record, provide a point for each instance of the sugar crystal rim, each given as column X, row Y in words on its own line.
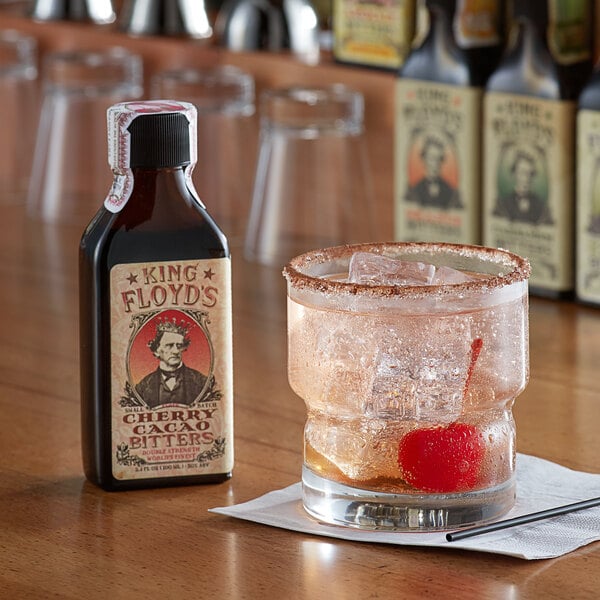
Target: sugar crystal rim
column 295, row 270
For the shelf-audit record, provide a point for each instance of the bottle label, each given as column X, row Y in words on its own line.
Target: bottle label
column 373, row 33
column 171, row 369
column 477, row 23
column 588, row 206
column 529, row 183
column 437, row 162
column 119, row 117
column 570, row 30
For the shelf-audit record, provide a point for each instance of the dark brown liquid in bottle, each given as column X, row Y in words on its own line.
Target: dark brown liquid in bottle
column 160, row 222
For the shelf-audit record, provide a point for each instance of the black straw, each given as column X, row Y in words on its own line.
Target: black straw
column 537, row 516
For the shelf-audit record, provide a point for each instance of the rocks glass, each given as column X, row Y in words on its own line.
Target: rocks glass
column 409, row 357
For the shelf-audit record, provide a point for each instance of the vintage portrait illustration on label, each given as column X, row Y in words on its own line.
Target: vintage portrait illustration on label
column 171, row 368
column 436, row 166
column 522, row 180
column 433, row 170
column 157, row 372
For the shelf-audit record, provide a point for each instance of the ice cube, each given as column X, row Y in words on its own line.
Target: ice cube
column 360, row 449
column 448, row 275
column 421, row 372
column 343, row 358
column 374, row 269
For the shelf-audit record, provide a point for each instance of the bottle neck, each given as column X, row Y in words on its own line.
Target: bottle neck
column 440, row 28
column 533, row 33
column 161, row 192
column 447, row 57
column 527, row 67
column 532, row 38
column 532, row 10
column 161, row 179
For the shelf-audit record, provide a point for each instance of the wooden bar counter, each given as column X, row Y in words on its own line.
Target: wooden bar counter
column 61, row 537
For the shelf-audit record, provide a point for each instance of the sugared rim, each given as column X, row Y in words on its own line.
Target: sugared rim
column 519, row 269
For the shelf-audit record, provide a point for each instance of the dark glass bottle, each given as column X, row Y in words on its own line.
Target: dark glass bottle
column 437, row 150
column 587, row 234
column 479, row 29
column 529, row 150
column 155, row 314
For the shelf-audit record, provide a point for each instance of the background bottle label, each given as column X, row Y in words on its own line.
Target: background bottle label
column 171, row 369
column 371, row 33
column 588, row 206
column 437, row 162
column 477, row 23
column 529, row 183
column 570, row 30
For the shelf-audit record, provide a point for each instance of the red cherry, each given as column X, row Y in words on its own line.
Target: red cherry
column 442, row 459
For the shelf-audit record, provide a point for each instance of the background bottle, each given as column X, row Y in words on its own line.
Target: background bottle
column 529, row 148
column 155, row 314
column 373, row 34
column 587, row 236
column 480, row 31
column 437, row 141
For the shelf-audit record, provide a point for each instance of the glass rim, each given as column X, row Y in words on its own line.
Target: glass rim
column 213, row 89
column 296, row 275
column 334, row 105
column 113, row 68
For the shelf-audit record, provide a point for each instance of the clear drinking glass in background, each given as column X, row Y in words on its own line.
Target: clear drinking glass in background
column 19, row 108
column 100, row 12
column 70, row 174
column 409, row 358
column 313, row 184
column 227, row 133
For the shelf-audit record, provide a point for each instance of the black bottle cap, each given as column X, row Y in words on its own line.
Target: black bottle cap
column 159, row 140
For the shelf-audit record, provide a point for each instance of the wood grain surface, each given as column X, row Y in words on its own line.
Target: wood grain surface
column 61, row 537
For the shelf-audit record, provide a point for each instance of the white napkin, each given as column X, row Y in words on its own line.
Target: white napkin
column 540, row 485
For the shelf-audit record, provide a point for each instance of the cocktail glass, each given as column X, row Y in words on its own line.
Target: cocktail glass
column 409, row 384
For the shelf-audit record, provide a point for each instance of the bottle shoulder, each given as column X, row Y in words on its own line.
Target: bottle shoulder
column 526, row 70
column 156, row 224
column 439, row 63
column 589, row 99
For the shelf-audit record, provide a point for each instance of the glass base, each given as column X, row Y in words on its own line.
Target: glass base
column 338, row 504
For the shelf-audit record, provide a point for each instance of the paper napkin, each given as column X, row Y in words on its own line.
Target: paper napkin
column 541, row 485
